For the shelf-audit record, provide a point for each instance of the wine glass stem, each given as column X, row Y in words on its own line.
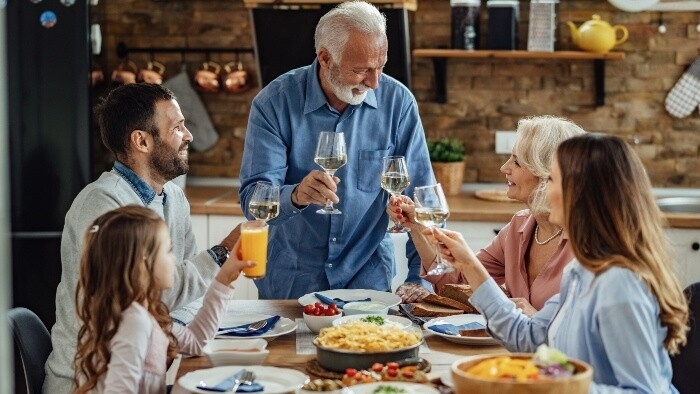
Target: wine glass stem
column 397, row 223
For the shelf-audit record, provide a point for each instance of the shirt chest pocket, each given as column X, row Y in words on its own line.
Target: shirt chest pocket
column 369, row 169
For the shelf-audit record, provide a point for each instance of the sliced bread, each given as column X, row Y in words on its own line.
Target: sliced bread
column 459, row 293
column 424, row 309
column 444, row 301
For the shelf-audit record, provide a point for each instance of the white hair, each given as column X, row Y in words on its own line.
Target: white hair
column 333, row 29
column 538, row 139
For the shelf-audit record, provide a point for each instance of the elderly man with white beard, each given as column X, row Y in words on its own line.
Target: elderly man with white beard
column 343, row 90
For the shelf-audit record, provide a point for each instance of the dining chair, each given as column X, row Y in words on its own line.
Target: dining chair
column 33, row 342
column 686, row 364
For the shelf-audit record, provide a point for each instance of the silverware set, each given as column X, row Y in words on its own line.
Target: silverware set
column 230, row 384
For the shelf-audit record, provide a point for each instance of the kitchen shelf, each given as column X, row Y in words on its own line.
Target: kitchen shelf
column 440, row 57
column 410, row 5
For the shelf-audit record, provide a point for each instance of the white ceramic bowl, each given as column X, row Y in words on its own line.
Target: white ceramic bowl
column 365, row 307
column 316, row 323
column 389, row 320
column 236, row 351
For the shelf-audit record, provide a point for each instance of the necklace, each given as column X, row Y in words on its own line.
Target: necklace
column 548, row 239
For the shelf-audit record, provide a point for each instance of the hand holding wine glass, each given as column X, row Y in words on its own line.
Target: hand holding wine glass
column 265, row 202
column 395, row 180
column 330, row 155
column 432, row 212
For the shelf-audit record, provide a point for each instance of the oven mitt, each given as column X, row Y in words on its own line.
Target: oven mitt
column 196, row 117
column 684, row 97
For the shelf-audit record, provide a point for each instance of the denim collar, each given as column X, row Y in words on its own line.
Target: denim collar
column 142, row 189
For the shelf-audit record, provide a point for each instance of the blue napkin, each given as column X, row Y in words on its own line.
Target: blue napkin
column 228, row 383
column 451, row 329
column 270, row 324
column 338, row 301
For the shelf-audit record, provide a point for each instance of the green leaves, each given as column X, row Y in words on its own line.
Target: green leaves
column 446, row 150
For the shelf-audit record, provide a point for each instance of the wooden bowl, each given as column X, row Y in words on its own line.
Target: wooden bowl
column 466, row 383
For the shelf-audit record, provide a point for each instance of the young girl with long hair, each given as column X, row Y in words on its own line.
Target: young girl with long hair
column 621, row 308
column 127, row 338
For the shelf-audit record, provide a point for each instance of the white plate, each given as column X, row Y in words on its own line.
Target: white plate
column 446, row 379
column 390, row 299
column 274, row 380
column 408, row 388
column 389, row 320
column 459, row 320
column 283, row 326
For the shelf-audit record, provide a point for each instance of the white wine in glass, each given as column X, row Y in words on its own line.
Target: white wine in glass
column 432, row 211
column 330, row 155
column 265, row 202
column 395, row 180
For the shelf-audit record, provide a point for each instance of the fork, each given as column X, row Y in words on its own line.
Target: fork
column 247, row 378
column 244, row 377
column 252, row 327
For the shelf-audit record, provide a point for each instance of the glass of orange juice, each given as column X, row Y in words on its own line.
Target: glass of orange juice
column 254, row 247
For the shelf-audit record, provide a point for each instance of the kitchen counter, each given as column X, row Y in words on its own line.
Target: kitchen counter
column 223, row 200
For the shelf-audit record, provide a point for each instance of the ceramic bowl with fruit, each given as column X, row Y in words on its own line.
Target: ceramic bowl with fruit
column 318, row 316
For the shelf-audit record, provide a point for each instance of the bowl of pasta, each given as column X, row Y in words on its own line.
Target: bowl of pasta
column 546, row 371
column 361, row 344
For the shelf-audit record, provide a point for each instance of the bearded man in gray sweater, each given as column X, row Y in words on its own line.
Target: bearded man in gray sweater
column 143, row 126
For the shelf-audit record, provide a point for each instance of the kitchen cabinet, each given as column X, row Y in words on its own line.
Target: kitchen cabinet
column 210, row 230
column 686, row 245
column 440, row 57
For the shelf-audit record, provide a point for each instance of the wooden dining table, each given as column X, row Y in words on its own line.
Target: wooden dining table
column 441, row 353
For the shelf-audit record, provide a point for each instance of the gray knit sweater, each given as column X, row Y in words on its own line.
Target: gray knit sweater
column 193, row 272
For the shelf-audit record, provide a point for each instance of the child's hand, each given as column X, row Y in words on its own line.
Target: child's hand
column 233, row 266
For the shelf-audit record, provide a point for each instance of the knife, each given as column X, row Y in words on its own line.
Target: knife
column 337, row 301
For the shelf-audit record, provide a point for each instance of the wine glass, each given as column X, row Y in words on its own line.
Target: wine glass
column 395, row 180
column 265, row 202
column 330, row 155
column 432, row 212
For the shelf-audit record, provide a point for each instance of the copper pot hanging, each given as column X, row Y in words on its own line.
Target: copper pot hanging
column 207, row 78
column 236, row 80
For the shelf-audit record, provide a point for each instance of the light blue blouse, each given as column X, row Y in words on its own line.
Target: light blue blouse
column 612, row 322
column 310, row 252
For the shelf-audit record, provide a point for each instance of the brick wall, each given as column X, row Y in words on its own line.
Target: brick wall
column 483, row 95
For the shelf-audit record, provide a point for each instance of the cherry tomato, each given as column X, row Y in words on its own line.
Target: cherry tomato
column 330, row 312
column 333, row 305
column 377, row 367
column 407, row 374
column 350, row 372
column 392, row 372
column 392, row 365
column 309, row 309
column 318, row 311
column 317, row 304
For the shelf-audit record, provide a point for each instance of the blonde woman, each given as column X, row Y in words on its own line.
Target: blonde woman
column 621, row 308
column 529, row 253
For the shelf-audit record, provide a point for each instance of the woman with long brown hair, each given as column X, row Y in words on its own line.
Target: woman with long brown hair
column 621, row 308
column 127, row 338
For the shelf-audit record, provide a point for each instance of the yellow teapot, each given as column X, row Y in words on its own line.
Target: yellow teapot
column 597, row 36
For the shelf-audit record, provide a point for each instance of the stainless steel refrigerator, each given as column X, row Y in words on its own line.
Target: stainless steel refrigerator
column 50, row 140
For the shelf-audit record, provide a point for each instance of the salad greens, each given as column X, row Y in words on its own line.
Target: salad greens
column 378, row 320
column 386, row 389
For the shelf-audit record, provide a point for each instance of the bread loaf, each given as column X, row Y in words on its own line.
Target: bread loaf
column 444, row 301
column 459, row 293
column 424, row 309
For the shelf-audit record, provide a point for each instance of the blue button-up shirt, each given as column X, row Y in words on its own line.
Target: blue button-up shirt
column 610, row 321
column 307, row 251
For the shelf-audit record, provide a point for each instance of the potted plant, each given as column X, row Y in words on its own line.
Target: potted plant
column 447, row 159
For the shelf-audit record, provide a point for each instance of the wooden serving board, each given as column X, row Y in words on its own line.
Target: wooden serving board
column 498, row 195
